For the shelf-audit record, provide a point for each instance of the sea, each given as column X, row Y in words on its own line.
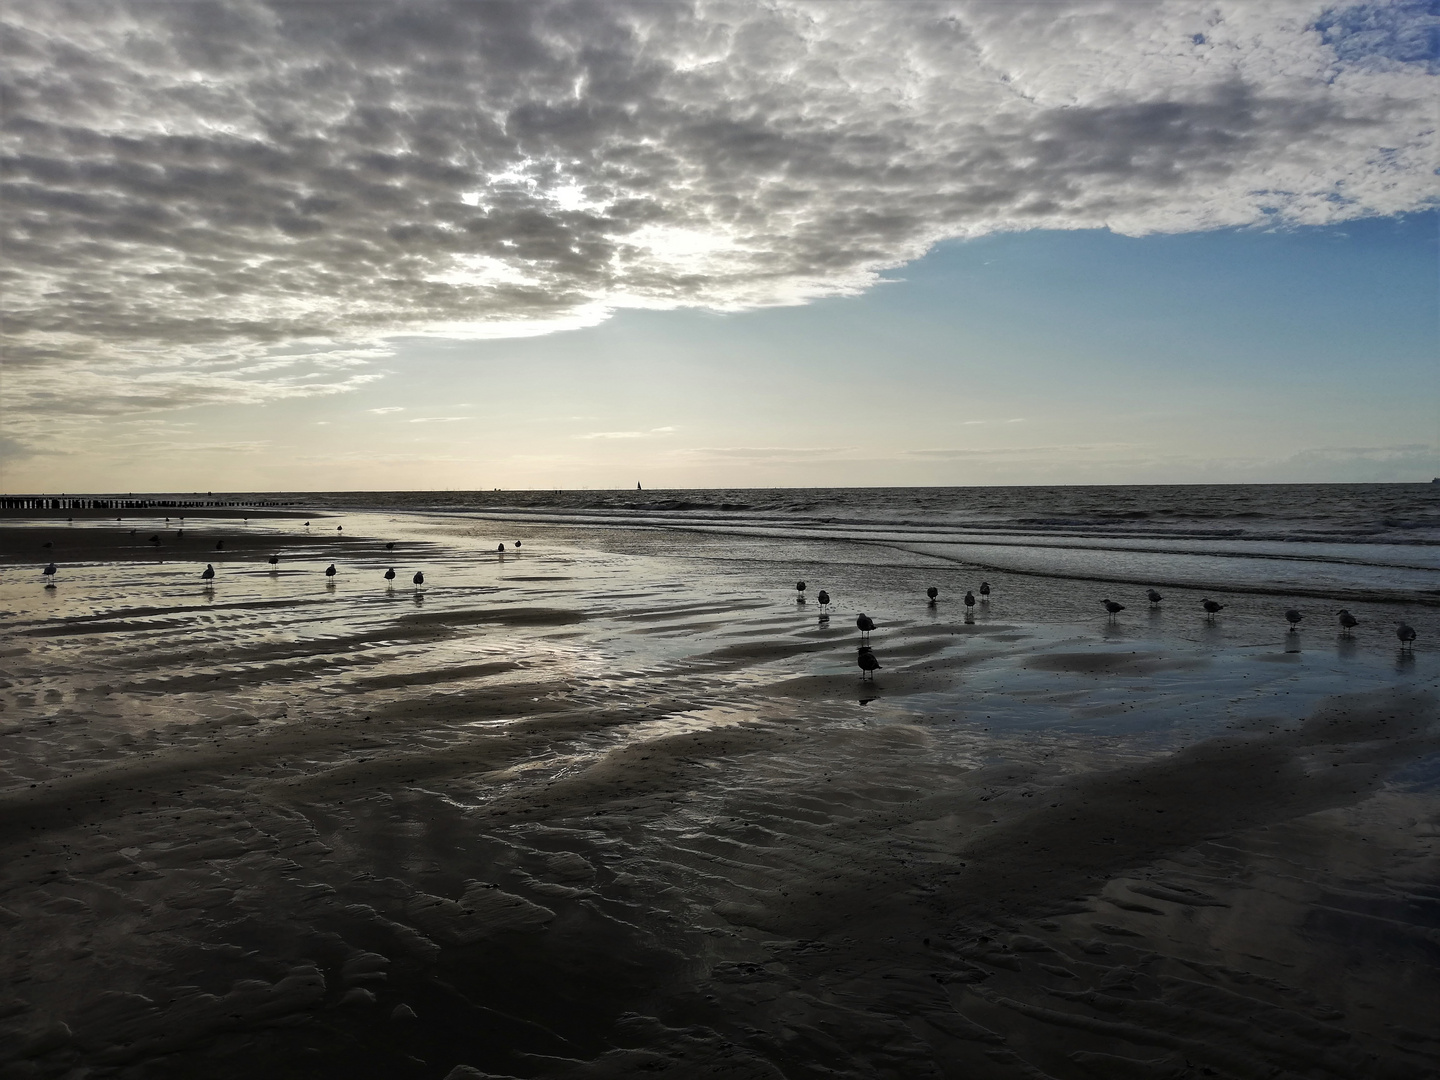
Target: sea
column 1371, row 542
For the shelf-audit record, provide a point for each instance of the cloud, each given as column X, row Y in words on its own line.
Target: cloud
column 439, row 419
column 387, row 409
column 192, row 189
column 627, row 434
column 1021, row 451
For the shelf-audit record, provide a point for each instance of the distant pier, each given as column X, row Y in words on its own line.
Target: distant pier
column 128, row 502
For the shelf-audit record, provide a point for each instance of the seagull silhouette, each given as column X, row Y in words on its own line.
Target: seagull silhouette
column 867, row 663
column 49, row 574
column 1348, row 622
column 932, row 592
column 418, row 579
column 390, row 574
column 1153, row 596
column 330, row 571
column 1112, row 607
column 800, row 592
column 1406, row 633
column 1293, row 617
column 208, row 574
column 274, row 560
column 984, row 592
column 1211, row 607
column 866, row 624
column 824, row 598
column 969, row 602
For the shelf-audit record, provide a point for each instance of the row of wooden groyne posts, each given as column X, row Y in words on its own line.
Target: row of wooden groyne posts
column 115, row 502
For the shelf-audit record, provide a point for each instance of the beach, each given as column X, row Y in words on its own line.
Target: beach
column 615, row 802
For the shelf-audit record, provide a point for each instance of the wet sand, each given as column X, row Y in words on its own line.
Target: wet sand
column 616, row 805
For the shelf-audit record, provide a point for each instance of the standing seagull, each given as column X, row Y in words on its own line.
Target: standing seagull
column 1348, row 622
column 1153, row 596
column 208, row 574
column 1112, row 607
column 418, row 579
column 390, row 546
column 867, row 663
column 1406, row 633
column 824, row 598
column 501, row 549
column 1293, row 617
column 969, row 603
column 330, row 571
column 49, row 573
column 800, row 592
column 984, row 592
column 866, row 624
column 932, row 592
column 1211, row 607
column 517, row 544
column 390, row 574
column 274, row 560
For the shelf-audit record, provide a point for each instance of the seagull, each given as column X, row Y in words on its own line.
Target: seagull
column 866, row 624
column 274, row 560
column 517, row 543
column 46, row 544
column 179, row 534
column 1211, row 607
column 1112, row 607
column 1293, row 617
column 932, row 592
column 208, row 574
column 969, row 602
column 800, row 590
column 390, row 574
column 867, row 663
column 1348, row 622
column 418, row 579
column 501, row 549
column 984, row 592
column 153, row 539
column 339, row 528
column 49, row 572
column 330, row 570
column 219, row 545
column 1153, row 596
column 390, row 546
column 1406, row 633
column 824, row 598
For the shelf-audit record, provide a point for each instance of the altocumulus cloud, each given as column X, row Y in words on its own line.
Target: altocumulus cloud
column 241, row 201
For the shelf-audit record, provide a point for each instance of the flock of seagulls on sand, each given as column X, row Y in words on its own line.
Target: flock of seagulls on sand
column 865, row 657
column 866, row 660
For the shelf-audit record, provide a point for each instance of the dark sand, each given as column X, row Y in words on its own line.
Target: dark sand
column 619, row 806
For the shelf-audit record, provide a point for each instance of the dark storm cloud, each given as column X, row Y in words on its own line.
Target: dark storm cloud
column 192, row 189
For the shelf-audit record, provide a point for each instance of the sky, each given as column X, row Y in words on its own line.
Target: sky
column 411, row 244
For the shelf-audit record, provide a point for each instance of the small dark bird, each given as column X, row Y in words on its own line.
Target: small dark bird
column 1112, row 607
column 969, row 602
column 418, row 579
column 517, row 543
column 984, row 592
column 1153, row 596
column 153, row 539
column 1293, row 617
column 1348, row 622
column 219, row 545
column 179, row 533
column 501, row 548
column 208, row 574
column 800, row 591
column 1406, row 633
column 390, row 546
column 274, row 560
column 330, row 570
column 932, row 592
column 307, row 524
column 46, row 544
column 390, row 574
column 1211, row 607
column 49, row 573
column 339, row 528
column 824, row 598
column 866, row 624
column 867, row 663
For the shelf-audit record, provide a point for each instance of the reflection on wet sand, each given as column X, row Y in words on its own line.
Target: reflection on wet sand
column 616, row 807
